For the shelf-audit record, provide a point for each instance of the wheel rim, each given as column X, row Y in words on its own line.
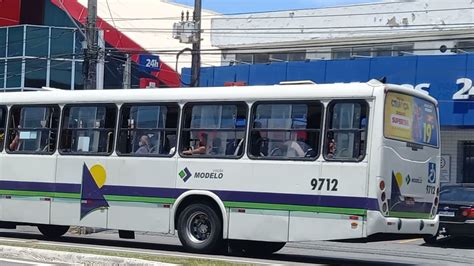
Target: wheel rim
column 198, row 227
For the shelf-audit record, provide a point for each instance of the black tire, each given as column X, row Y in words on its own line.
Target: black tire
column 430, row 239
column 53, row 231
column 200, row 229
column 255, row 247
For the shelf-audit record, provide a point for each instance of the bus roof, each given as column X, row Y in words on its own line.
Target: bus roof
column 245, row 93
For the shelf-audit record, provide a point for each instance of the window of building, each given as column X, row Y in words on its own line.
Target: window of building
column 62, row 43
column 261, row 58
column 13, row 73
column 35, row 73
column 288, row 130
column 3, row 41
column 15, row 41
column 346, row 131
column 60, row 74
column 3, row 119
column 214, row 130
column 466, row 46
column 148, row 130
column 33, row 129
column 88, row 129
column 341, row 53
column 401, row 50
column 2, row 73
column 244, row 58
column 468, row 161
column 386, row 50
column 361, row 52
column 36, row 41
column 382, row 51
column 288, row 56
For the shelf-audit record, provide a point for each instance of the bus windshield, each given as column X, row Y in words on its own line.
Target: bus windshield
column 411, row 119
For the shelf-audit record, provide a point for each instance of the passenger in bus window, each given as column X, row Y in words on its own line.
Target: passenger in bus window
column 15, row 144
column 201, row 147
column 144, row 145
column 331, row 145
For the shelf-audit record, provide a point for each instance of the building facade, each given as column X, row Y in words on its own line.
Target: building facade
column 130, row 28
column 386, row 28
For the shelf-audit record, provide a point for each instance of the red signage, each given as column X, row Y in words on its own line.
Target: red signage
column 9, row 12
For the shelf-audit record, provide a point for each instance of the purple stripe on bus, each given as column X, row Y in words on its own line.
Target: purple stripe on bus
column 238, row 196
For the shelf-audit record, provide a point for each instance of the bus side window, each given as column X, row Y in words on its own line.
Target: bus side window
column 88, row 129
column 214, row 130
column 3, row 114
column 148, row 130
column 33, row 129
column 346, row 131
column 286, row 130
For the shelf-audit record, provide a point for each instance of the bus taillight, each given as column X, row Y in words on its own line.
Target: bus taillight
column 382, row 185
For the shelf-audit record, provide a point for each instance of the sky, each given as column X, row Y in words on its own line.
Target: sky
column 246, row 6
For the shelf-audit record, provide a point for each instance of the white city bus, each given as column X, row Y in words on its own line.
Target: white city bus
column 273, row 164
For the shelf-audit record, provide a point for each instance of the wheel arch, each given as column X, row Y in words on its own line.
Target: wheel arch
column 185, row 197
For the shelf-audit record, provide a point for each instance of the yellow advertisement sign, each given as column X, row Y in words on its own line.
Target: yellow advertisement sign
column 411, row 119
column 398, row 116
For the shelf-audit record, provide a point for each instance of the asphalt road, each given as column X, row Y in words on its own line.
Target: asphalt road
column 400, row 252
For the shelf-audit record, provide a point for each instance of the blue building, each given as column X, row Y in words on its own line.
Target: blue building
column 448, row 78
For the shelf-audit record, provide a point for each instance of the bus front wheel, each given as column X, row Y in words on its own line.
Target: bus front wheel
column 200, row 228
column 53, row 231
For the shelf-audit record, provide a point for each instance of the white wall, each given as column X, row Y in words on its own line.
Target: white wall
column 340, row 22
column 155, row 34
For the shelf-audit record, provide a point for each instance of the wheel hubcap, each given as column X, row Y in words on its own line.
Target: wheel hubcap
column 198, row 227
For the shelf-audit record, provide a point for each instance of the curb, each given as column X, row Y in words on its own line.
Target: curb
column 49, row 256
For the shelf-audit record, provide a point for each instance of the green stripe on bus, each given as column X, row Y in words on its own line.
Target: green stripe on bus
column 139, row 199
column 410, row 215
column 285, row 207
column 26, row 193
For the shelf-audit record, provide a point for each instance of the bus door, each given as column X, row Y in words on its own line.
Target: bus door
column 344, row 171
column 83, row 166
column 143, row 172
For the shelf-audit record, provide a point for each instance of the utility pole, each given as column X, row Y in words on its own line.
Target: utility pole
column 92, row 50
column 127, row 73
column 196, row 59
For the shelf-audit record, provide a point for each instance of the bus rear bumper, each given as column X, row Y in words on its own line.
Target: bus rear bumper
column 377, row 223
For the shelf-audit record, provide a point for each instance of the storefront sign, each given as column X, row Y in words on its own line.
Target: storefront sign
column 149, row 63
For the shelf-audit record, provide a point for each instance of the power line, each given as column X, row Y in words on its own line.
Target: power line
column 299, row 29
column 250, row 15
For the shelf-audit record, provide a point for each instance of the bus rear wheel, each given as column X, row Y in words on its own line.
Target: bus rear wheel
column 53, row 231
column 200, row 229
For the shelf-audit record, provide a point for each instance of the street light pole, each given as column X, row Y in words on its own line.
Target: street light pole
column 92, row 50
column 196, row 53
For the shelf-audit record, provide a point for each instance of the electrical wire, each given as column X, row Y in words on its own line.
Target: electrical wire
column 252, row 15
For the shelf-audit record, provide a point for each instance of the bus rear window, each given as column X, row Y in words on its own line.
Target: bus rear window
column 410, row 119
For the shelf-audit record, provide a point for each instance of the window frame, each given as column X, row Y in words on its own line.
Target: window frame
column 4, row 109
column 270, row 158
column 182, row 129
column 9, row 124
column 61, row 124
column 412, row 144
column 330, row 105
column 119, row 129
